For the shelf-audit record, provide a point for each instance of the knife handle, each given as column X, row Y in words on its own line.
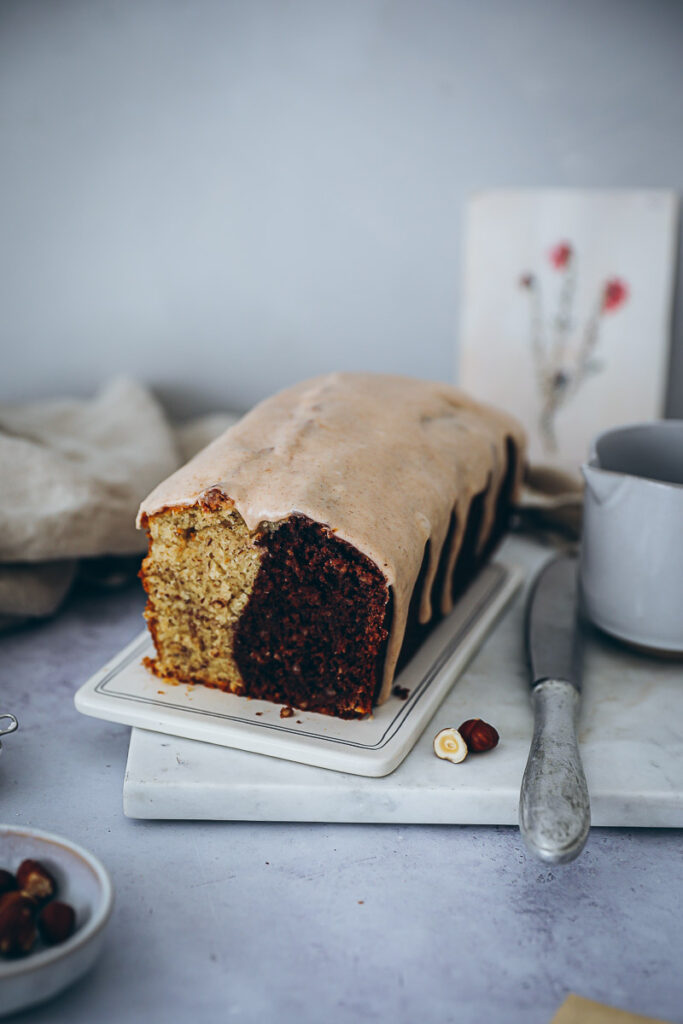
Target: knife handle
column 554, row 808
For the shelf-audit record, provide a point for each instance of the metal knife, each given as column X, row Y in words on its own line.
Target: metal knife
column 554, row 807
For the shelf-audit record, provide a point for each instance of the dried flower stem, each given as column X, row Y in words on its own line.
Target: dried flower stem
column 563, row 318
column 558, row 378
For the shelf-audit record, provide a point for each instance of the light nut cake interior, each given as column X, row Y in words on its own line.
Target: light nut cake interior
column 200, row 577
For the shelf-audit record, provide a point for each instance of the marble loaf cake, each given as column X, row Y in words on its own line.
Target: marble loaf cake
column 301, row 556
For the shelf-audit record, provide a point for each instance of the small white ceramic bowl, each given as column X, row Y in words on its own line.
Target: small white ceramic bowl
column 84, row 883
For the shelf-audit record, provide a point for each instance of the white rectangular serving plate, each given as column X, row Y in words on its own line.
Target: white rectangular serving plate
column 125, row 691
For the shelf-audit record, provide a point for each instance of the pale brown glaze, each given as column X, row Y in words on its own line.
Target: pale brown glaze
column 384, row 461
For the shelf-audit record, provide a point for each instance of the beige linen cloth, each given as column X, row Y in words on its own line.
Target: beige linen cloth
column 551, row 504
column 72, row 474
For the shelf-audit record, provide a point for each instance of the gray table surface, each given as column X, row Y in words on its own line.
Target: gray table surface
column 250, row 922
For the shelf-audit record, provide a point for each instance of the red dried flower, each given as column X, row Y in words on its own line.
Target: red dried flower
column 615, row 294
column 560, row 255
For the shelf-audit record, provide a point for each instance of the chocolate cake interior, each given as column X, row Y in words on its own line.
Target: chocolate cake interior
column 313, row 631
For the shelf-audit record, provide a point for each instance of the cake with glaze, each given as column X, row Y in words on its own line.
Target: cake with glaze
column 302, row 556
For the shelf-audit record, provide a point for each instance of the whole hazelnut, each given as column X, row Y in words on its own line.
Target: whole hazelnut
column 56, row 922
column 478, row 735
column 17, row 927
column 35, row 880
column 7, row 881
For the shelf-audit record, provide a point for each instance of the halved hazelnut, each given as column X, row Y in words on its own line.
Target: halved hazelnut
column 35, row 880
column 449, row 745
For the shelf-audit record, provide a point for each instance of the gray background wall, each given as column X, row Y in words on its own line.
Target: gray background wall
column 222, row 197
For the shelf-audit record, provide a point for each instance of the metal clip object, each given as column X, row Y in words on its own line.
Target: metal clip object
column 8, row 723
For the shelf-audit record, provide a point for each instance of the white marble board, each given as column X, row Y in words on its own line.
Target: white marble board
column 631, row 735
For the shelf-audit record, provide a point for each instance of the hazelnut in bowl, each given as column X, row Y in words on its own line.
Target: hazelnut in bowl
column 55, row 901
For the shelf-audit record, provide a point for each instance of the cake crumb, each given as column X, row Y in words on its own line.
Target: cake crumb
column 361, row 901
column 298, row 721
column 258, row 712
column 402, row 692
column 286, row 712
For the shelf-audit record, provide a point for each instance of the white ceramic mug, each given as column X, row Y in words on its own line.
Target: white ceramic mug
column 631, row 565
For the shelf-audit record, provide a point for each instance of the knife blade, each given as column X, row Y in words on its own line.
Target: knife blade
column 554, row 806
